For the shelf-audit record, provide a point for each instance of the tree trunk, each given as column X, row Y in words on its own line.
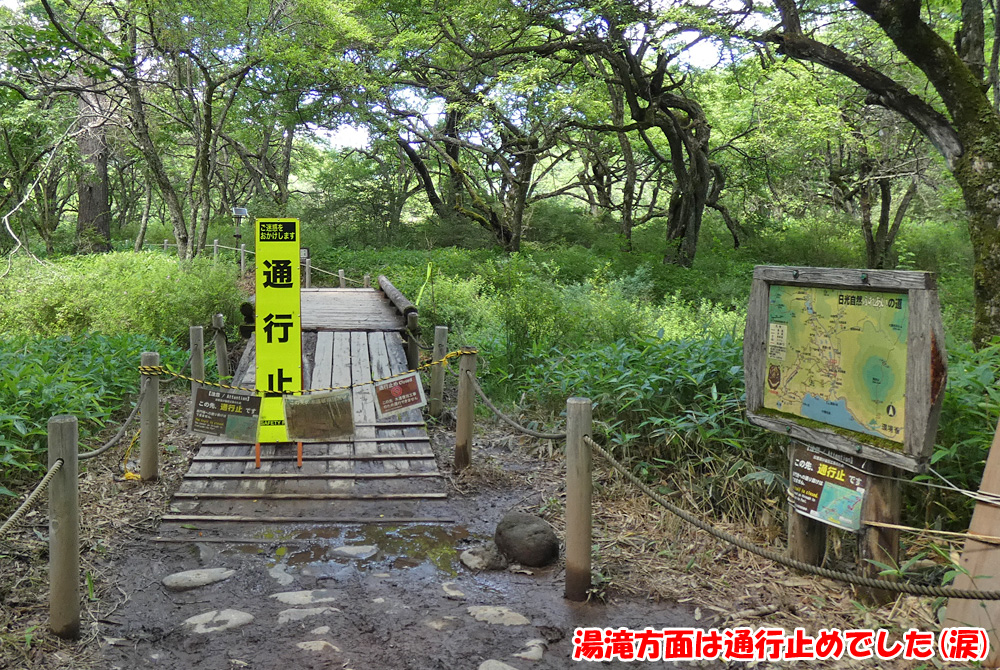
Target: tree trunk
column 93, row 223
column 140, row 237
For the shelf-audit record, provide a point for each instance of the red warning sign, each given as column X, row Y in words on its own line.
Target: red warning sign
column 399, row 394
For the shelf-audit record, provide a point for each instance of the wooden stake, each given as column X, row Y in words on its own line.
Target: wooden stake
column 243, row 259
column 806, row 536
column 197, row 337
column 307, row 282
column 221, row 350
column 437, row 371
column 882, row 503
column 215, row 249
column 149, row 425
column 64, row 529
column 466, row 410
column 343, row 279
column 578, row 498
column 412, row 341
column 368, row 281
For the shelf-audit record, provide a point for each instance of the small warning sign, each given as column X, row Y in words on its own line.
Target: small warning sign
column 826, row 488
column 399, row 394
column 225, row 412
column 318, row 417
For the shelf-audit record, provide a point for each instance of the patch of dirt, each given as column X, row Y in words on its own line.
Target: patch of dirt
column 392, row 609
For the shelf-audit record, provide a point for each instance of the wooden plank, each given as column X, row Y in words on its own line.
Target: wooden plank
column 364, row 394
column 980, row 563
column 755, row 345
column 926, row 374
column 341, row 376
column 325, row 457
column 318, row 475
column 382, row 368
column 883, row 503
column 222, row 518
column 208, row 495
column 885, row 280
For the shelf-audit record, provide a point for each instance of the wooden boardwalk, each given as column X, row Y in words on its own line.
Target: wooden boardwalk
column 386, row 473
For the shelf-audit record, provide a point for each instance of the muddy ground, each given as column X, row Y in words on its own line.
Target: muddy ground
column 407, row 605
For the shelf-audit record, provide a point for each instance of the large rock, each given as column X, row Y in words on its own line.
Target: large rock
column 526, row 539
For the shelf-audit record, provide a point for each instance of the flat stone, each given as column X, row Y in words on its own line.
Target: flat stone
column 280, row 574
column 217, row 621
column 533, row 650
column 285, row 616
column 305, row 597
column 436, row 624
column 498, row 615
column 483, row 557
column 192, row 579
column 356, row 550
column 493, row 664
column 318, row 645
column 322, row 630
column 451, row 592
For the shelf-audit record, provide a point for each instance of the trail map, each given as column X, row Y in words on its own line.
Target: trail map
column 838, row 356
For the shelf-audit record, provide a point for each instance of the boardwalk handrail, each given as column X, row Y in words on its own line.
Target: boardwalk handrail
column 396, row 297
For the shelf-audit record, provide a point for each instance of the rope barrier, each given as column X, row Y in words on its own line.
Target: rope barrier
column 121, row 431
column 162, row 371
column 506, row 419
column 30, row 500
column 868, row 582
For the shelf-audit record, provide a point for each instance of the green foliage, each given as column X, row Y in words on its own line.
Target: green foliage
column 149, row 293
column 90, row 376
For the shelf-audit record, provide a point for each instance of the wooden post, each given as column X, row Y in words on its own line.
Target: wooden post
column 307, row 280
column 578, row 495
column 243, row 258
column 343, row 279
column 437, row 371
column 64, row 529
column 980, row 563
column 883, row 504
column 215, row 249
column 412, row 341
column 466, row 409
column 165, row 244
column 806, row 536
column 149, row 425
column 221, row 350
column 368, row 281
column 197, row 336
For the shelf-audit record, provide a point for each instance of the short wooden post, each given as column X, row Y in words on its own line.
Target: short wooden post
column 578, row 495
column 412, row 341
column 307, row 281
column 64, row 529
column 215, row 249
column 197, row 336
column 466, row 409
column 806, row 536
column 221, row 350
column 437, row 371
column 368, row 281
column 243, row 258
column 883, row 504
column 149, row 424
column 343, row 279
column 165, row 244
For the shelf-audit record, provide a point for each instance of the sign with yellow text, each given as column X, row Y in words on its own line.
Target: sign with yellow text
column 278, row 322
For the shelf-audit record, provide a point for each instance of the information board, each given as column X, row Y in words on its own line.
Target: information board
column 225, row 412
column 838, row 356
column 399, row 394
column 826, row 488
column 278, row 322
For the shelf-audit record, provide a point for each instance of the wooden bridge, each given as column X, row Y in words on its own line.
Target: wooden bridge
column 385, row 473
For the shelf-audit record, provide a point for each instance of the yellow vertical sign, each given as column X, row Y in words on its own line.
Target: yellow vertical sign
column 278, row 322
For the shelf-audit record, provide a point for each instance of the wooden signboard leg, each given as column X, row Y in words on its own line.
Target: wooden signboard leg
column 806, row 536
column 980, row 564
column 257, row 455
column 875, row 543
column 299, row 454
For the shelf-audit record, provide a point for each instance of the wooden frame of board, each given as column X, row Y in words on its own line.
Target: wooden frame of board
column 926, row 362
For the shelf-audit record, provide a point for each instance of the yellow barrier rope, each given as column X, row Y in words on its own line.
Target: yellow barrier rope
column 161, row 371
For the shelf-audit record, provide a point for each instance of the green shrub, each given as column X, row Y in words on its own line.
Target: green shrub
column 90, row 376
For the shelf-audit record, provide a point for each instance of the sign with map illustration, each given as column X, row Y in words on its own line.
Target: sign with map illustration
column 826, row 488
column 850, row 360
column 838, row 356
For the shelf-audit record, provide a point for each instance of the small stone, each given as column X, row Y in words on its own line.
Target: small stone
column 216, row 621
column 533, row 650
column 498, row 615
column 356, row 550
column 527, row 539
column 322, row 630
column 378, row 601
column 192, row 579
column 436, row 624
column 493, row 664
column 286, row 616
column 305, row 597
column 280, row 573
column 483, row 557
column 318, row 645
column 451, row 592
